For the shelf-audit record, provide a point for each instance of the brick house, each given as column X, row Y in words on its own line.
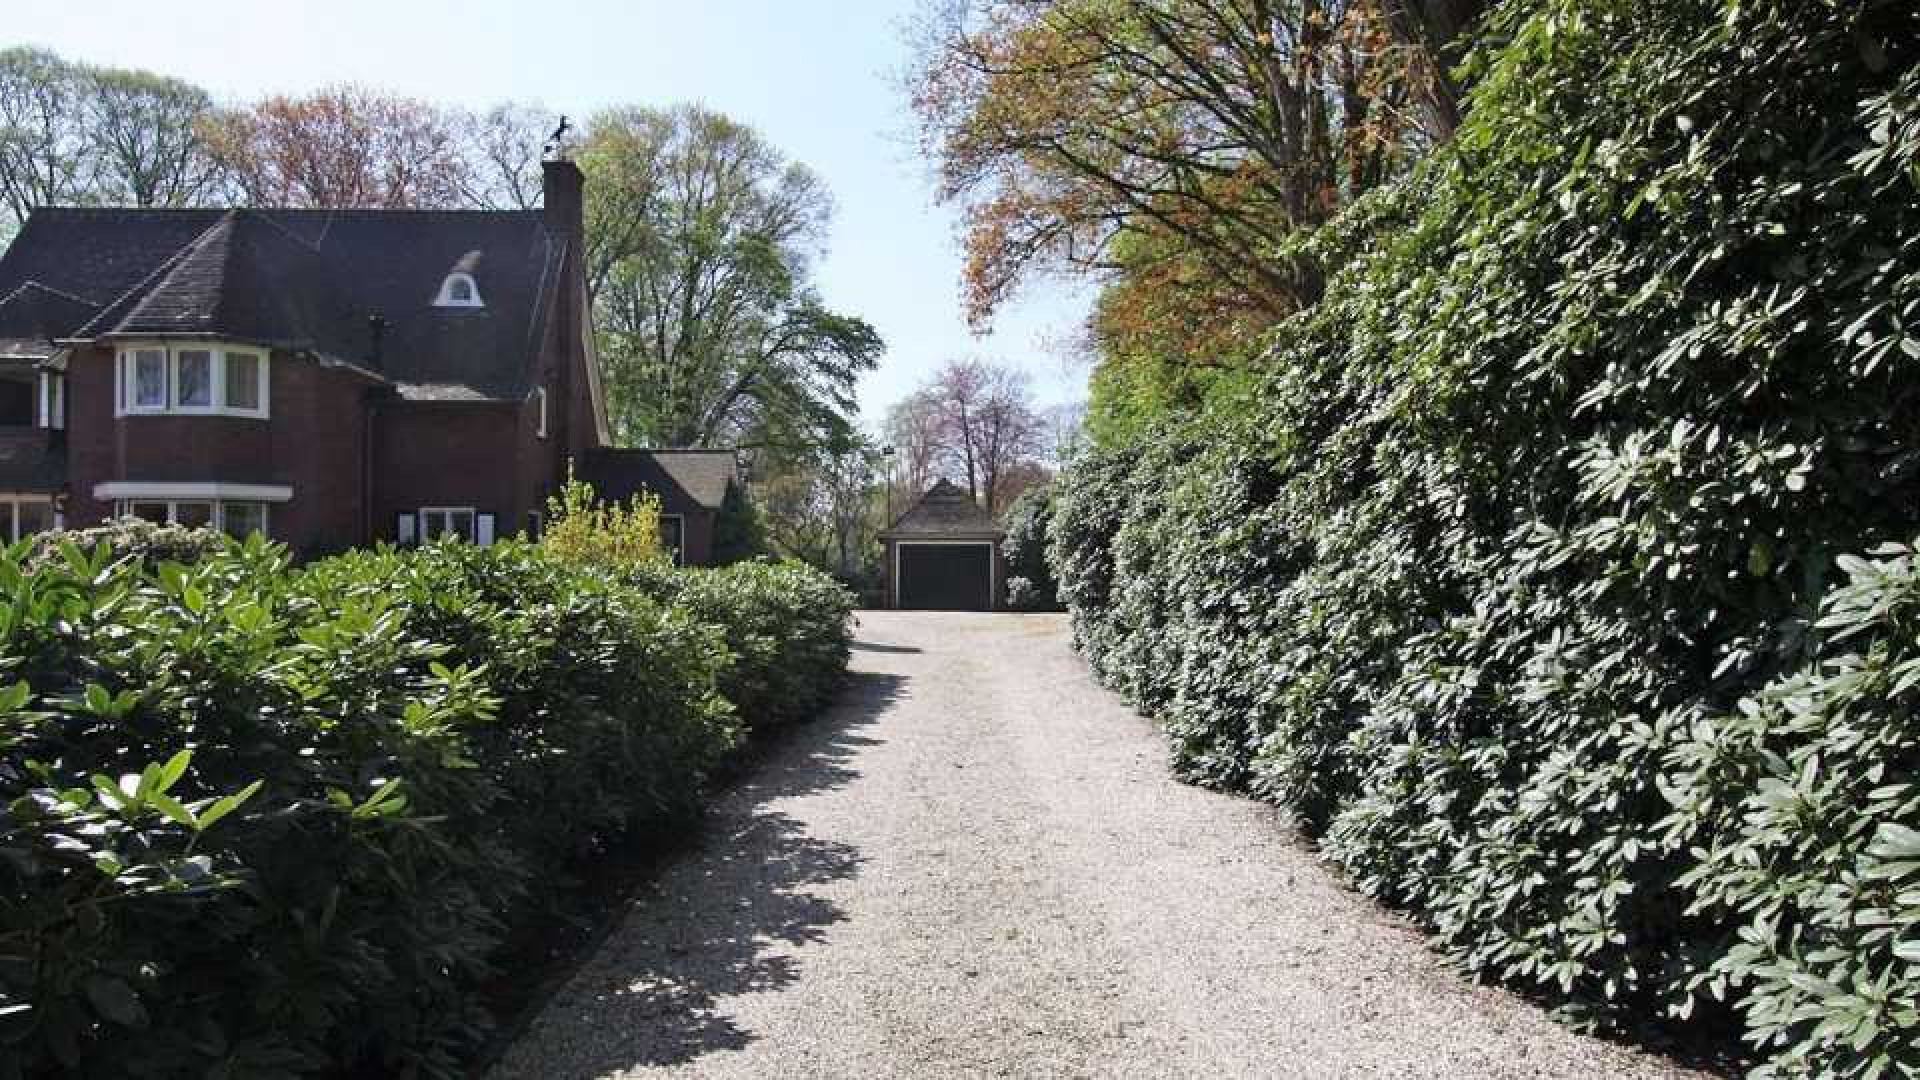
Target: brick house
column 329, row 377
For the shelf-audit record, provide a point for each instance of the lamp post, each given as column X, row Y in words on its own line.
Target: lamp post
column 886, row 462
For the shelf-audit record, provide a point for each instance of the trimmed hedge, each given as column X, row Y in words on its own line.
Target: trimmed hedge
column 785, row 625
column 1030, row 584
column 406, row 756
column 1553, row 576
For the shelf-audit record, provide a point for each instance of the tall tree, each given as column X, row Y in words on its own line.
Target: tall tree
column 1060, row 125
column 825, row 510
column 703, row 238
column 916, row 430
column 502, row 148
column 46, row 157
column 344, row 146
column 1176, row 151
column 987, row 425
column 148, row 136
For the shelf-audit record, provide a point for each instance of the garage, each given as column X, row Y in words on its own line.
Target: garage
column 943, row 554
column 946, row 577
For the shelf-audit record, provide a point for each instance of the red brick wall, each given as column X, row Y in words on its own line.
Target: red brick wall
column 313, row 443
column 92, row 434
column 447, row 454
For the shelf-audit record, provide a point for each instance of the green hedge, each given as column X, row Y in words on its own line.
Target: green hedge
column 441, row 741
column 784, row 623
column 1529, row 577
column 1030, row 584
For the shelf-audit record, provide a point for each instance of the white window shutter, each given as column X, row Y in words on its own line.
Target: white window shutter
column 403, row 529
column 483, row 530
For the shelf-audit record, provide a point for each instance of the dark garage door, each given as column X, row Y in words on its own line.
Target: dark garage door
column 946, row 577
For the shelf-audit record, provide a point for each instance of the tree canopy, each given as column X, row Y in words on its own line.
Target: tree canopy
column 1174, row 149
column 703, row 238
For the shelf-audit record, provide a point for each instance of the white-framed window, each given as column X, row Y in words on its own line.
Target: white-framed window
column 431, row 523
column 23, row 515
column 439, row 521
column 237, row 517
column 243, row 518
column 458, row 290
column 144, row 374
column 193, row 378
column 673, row 536
column 540, row 411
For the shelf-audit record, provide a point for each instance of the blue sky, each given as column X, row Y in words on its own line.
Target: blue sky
column 815, row 76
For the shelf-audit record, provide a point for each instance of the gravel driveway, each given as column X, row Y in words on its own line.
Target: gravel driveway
column 978, row 865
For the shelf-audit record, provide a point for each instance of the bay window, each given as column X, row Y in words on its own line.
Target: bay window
column 201, row 378
column 243, row 518
column 243, row 381
column 195, row 370
column 236, row 517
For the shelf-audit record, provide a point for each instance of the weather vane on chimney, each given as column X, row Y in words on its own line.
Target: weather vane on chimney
column 556, row 148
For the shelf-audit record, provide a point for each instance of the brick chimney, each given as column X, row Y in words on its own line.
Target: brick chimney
column 561, row 185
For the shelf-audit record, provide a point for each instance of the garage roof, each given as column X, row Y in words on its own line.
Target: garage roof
column 946, row 511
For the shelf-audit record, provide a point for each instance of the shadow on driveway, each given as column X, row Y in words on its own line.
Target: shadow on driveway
column 869, row 646
column 702, row 931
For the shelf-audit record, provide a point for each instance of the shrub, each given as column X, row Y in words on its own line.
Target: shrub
column 1022, row 595
column 1513, row 577
column 1025, row 551
column 133, row 538
column 786, row 625
column 582, row 529
column 738, row 532
column 441, row 739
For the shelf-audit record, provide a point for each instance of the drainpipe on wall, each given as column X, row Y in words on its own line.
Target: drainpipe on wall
column 377, row 330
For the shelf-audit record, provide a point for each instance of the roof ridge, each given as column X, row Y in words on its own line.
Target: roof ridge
column 32, row 283
column 166, row 265
column 267, row 217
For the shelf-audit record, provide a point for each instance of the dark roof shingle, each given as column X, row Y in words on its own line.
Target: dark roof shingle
column 298, row 279
column 945, row 510
column 682, row 478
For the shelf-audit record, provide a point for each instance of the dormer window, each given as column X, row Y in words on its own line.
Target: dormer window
column 458, row 290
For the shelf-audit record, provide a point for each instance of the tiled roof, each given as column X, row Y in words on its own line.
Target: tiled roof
column 945, row 510
column 299, row 279
column 682, row 478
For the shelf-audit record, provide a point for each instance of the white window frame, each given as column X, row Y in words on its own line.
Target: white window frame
column 540, row 420
column 52, row 401
column 445, row 298
column 216, row 518
column 266, row 516
column 679, row 551
column 425, row 534
column 10, row 514
column 128, row 359
column 126, row 380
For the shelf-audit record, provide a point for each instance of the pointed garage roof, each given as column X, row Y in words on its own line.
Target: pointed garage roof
column 304, row 280
column 946, row 511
